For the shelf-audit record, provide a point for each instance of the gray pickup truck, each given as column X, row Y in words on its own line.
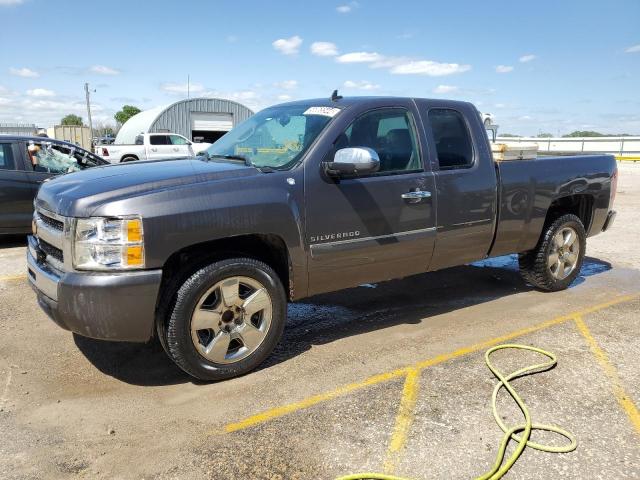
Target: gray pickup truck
column 303, row 198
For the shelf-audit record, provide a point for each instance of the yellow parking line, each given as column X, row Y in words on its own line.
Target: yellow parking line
column 404, row 419
column 308, row 402
column 616, row 383
column 340, row 391
column 10, row 278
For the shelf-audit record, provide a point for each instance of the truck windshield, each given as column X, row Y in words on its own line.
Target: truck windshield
column 276, row 137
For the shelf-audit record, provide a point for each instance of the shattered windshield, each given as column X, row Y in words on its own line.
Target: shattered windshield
column 275, row 137
column 55, row 158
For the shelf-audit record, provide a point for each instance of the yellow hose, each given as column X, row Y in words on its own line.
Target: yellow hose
column 501, row 467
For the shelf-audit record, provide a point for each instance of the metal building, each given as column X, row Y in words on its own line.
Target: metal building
column 198, row 119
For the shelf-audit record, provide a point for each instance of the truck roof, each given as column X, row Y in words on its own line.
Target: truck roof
column 374, row 100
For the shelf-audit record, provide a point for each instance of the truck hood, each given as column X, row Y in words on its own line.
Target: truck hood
column 79, row 194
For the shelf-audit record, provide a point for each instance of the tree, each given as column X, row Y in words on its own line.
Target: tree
column 545, row 135
column 584, row 133
column 71, row 119
column 126, row 113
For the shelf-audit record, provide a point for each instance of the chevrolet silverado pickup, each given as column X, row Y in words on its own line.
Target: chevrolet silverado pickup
column 302, row 198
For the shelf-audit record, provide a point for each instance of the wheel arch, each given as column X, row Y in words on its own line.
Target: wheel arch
column 581, row 205
column 268, row 248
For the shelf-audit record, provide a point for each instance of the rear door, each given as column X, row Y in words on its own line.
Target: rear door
column 181, row 146
column 16, row 193
column 466, row 184
column 159, row 147
column 365, row 229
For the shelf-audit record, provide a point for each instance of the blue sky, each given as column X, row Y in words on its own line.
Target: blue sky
column 545, row 66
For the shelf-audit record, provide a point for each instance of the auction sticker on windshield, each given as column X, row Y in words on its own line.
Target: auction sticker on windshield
column 324, row 111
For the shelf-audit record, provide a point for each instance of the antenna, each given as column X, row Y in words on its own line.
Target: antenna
column 335, row 97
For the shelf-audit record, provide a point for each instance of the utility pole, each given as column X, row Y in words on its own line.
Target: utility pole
column 86, row 91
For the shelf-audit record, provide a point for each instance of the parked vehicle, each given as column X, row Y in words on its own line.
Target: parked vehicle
column 148, row 146
column 487, row 119
column 302, row 198
column 26, row 162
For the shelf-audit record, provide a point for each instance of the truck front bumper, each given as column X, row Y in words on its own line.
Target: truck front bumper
column 107, row 306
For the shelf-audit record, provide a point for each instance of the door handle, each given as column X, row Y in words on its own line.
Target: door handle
column 154, row 149
column 175, row 149
column 416, row 195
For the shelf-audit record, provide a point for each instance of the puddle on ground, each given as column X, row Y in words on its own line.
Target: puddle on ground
column 590, row 267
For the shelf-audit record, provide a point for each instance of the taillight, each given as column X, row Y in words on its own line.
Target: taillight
column 105, row 152
column 614, row 186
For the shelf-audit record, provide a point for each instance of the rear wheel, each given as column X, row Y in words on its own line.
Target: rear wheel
column 557, row 259
column 128, row 159
column 227, row 318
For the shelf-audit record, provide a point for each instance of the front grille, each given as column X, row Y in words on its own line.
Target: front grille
column 51, row 222
column 51, row 251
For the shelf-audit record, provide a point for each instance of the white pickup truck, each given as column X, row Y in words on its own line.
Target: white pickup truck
column 151, row 146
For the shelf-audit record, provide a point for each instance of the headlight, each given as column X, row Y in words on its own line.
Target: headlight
column 108, row 244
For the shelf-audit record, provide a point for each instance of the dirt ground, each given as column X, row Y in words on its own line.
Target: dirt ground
column 335, row 397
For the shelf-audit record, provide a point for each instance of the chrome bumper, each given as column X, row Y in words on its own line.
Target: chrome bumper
column 41, row 277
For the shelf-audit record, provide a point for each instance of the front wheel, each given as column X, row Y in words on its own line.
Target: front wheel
column 557, row 259
column 226, row 319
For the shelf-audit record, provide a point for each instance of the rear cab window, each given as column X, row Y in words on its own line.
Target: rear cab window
column 159, row 140
column 452, row 139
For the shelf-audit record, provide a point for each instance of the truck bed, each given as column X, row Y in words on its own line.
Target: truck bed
column 527, row 188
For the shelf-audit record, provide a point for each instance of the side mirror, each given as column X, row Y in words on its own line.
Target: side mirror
column 352, row 161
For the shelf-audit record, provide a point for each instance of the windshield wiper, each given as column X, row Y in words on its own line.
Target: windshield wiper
column 242, row 158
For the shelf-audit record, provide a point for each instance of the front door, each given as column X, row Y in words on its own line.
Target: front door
column 372, row 228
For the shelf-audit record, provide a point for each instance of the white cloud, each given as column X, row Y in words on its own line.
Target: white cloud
column 359, row 57
column 182, row 88
column 403, row 65
column 347, row 7
column 633, row 49
column 504, row 69
column 7, row 3
column 232, row 38
column 23, row 72
column 527, row 58
column 284, row 97
column 287, row 84
column 288, row 46
column 104, row 70
column 361, row 85
column 445, row 89
column 41, row 92
column 324, row 49
column 429, row 68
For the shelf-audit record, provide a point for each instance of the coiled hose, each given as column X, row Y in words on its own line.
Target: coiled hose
column 500, row 467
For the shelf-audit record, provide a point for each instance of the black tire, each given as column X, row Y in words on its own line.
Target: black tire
column 177, row 329
column 128, row 159
column 534, row 263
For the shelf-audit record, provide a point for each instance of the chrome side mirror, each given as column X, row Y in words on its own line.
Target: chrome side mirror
column 353, row 161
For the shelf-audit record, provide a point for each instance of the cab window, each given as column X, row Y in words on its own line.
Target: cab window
column 451, row 135
column 391, row 134
column 159, row 140
column 6, row 157
column 178, row 140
